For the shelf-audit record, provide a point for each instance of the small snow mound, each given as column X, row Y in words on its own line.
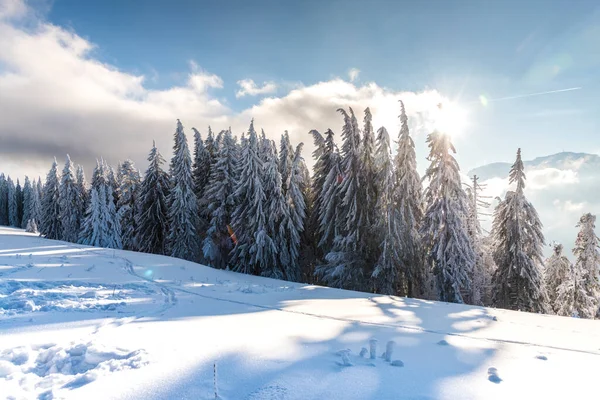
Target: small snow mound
column 397, row 363
column 364, row 352
column 7, row 368
column 443, row 343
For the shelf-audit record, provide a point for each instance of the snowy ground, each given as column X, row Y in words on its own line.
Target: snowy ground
column 85, row 323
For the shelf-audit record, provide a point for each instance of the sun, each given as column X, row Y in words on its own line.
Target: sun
column 450, row 118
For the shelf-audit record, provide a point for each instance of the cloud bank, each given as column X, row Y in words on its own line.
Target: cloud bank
column 57, row 98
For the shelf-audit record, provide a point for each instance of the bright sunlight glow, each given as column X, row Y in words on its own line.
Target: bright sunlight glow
column 450, row 118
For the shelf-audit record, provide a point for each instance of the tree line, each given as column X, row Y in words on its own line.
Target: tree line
column 365, row 220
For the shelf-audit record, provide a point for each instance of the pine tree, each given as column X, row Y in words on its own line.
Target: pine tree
column 36, row 203
column 83, row 196
column 113, row 182
column 183, row 205
column 152, row 218
column 68, row 203
column 19, row 204
column 276, row 254
column 408, row 200
column 101, row 226
column 201, row 167
column 27, row 198
column 389, row 278
column 220, row 202
column 587, row 268
column 211, row 145
column 368, row 172
column 518, row 240
column 128, row 204
column 31, row 226
column 347, row 264
column 328, row 200
column 3, row 200
column 558, row 270
column 12, row 203
column 51, row 226
column 286, row 158
column 249, row 219
column 444, row 229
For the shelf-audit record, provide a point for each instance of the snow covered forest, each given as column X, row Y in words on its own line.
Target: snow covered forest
column 363, row 220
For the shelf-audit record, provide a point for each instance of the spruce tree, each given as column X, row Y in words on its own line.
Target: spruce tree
column 36, row 203
column 68, row 203
column 3, row 200
column 51, row 225
column 183, row 204
column 389, row 278
column 152, row 218
column 220, row 202
column 276, row 254
column 449, row 248
column 518, row 240
column 101, row 226
column 83, row 196
column 347, row 264
column 128, row 204
column 201, row 166
column 27, row 198
column 558, row 269
column 249, row 218
column 286, row 158
column 12, row 203
column 19, row 204
column 587, row 268
column 408, row 200
column 328, row 200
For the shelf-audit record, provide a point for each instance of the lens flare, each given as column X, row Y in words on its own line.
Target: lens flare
column 450, row 118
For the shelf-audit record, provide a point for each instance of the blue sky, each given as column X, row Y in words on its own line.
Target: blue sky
column 144, row 55
column 463, row 49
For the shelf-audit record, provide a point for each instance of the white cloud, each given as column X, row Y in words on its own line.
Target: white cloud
column 56, row 98
column 353, row 74
column 12, row 9
column 249, row 88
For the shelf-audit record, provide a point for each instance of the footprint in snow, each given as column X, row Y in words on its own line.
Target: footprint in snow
column 544, row 358
column 273, row 392
column 493, row 375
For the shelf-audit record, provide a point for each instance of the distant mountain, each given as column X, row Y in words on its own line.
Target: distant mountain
column 561, row 186
column 582, row 162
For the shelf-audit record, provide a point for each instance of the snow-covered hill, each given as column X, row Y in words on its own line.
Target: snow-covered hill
column 562, row 187
column 88, row 323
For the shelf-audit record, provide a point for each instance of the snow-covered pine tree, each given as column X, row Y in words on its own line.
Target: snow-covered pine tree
column 113, row 181
column 27, row 195
column 128, row 204
column 389, row 278
column 368, row 172
column 557, row 270
column 3, row 200
column 587, row 268
column 183, row 205
column 201, row 166
column 249, row 219
column 347, row 264
column 295, row 217
column 68, row 203
column 12, row 203
column 408, row 199
column 19, row 202
column 152, row 217
column 444, row 228
column 101, row 226
column 36, row 203
column 276, row 260
column 517, row 250
column 31, row 226
column 327, row 201
column 286, row 158
column 51, row 226
column 211, row 145
column 83, row 197
column 220, row 202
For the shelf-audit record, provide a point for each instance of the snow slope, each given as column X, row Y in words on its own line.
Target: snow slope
column 85, row 323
